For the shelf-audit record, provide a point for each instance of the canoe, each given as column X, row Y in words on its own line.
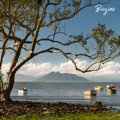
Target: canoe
column 90, row 92
column 111, row 90
column 22, row 91
column 98, row 87
column 110, row 86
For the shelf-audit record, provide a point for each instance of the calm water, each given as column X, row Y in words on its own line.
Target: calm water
column 65, row 92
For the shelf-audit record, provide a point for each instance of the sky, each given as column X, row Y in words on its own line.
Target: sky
column 84, row 21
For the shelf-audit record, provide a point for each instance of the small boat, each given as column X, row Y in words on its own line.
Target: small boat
column 111, row 90
column 22, row 91
column 110, row 86
column 90, row 92
column 98, row 87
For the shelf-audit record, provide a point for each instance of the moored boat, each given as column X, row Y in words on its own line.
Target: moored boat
column 110, row 86
column 111, row 90
column 22, row 91
column 98, row 87
column 90, row 92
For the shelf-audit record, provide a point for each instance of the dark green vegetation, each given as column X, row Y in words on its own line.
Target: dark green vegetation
column 33, row 111
column 82, row 116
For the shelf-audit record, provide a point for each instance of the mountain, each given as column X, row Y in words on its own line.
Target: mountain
column 58, row 77
column 22, row 78
column 65, row 77
column 25, row 78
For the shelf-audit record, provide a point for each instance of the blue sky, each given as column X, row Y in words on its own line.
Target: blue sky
column 82, row 22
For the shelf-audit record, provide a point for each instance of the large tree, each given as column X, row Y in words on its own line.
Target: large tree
column 30, row 16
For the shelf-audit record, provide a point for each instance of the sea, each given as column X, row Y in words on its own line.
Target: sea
column 66, row 92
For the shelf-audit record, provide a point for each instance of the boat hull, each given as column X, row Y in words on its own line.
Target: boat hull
column 90, row 92
column 98, row 88
column 22, row 91
column 112, row 90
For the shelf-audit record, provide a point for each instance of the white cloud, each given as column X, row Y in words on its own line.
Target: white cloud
column 5, row 68
column 35, row 69
column 108, row 70
column 68, row 67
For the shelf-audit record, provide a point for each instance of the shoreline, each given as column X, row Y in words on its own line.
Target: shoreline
column 68, row 100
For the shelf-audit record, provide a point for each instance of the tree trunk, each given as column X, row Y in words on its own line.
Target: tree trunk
column 1, row 87
column 5, row 94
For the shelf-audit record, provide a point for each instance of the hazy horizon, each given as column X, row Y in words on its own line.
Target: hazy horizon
column 92, row 79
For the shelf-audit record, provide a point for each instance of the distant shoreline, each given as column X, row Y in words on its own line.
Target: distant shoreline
column 62, row 82
column 50, row 82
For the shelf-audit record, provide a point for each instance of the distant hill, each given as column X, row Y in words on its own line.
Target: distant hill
column 58, row 77
column 24, row 78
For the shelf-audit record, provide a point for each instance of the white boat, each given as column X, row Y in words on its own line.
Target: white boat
column 22, row 91
column 90, row 92
column 110, row 86
column 98, row 87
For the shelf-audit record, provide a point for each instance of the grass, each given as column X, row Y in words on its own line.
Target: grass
column 82, row 116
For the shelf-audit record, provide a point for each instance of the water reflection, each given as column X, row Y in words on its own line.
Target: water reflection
column 111, row 93
column 87, row 97
column 20, row 94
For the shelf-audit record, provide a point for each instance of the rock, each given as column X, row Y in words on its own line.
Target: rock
column 110, row 108
column 44, row 108
column 1, row 110
column 16, row 108
column 28, row 106
column 97, row 103
column 59, row 102
column 85, row 108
